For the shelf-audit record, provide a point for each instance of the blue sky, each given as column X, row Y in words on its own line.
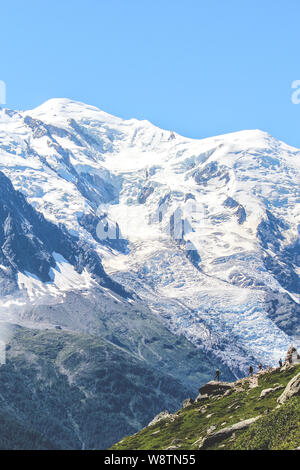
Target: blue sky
column 201, row 68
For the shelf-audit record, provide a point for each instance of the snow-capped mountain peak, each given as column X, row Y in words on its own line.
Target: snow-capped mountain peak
column 230, row 281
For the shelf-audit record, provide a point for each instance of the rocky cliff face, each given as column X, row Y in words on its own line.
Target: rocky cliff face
column 31, row 245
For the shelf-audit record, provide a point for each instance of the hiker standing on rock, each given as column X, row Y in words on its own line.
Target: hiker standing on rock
column 260, row 366
column 280, row 363
column 251, row 371
column 217, row 377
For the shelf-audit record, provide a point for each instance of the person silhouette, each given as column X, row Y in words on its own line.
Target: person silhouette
column 217, row 376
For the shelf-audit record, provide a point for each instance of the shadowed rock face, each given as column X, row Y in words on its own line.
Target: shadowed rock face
column 210, row 171
column 270, row 233
column 28, row 241
column 241, row 214
column 215, row 388
column 231, row 203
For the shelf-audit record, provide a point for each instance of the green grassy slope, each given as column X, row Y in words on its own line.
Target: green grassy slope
column 277, row 428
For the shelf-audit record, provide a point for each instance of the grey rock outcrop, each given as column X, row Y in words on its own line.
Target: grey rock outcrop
column 219, row 436
column 188, row 402
column 201, row 397
column 292, row 389
column 267, row 391
column 163, row 415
